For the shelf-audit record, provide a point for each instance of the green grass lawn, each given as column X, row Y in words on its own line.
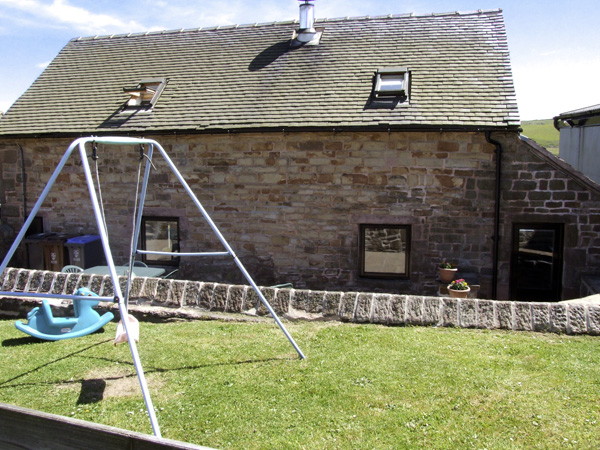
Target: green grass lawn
column 543, row 132
column 241, row 385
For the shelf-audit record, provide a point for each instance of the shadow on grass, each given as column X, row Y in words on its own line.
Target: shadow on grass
column 92, row 391
column 199, row 366
column 5, row 382
column 26, row 340
column 15, row 342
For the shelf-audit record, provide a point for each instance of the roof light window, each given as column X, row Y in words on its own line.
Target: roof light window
column 146, row 93
column 391, row 82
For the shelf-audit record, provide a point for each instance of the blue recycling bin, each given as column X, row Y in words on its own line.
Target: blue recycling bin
column 86, row 251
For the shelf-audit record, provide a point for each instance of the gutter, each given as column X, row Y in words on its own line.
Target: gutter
column 496, row 236
column 146, row 132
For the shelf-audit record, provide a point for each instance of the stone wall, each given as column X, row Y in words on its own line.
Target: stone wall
column 538, row 187
column 183, row 298
column 291, row 204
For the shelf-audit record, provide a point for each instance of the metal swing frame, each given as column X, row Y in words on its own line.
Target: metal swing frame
column 121, row 299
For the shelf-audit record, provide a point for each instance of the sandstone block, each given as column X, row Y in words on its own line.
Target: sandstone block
column 22, row 280
column 10, row 278
column 123, row 284
column 136, row 287
column 576, row 319
column 47, row 282
column 504, row 315
column 397, row 310
column 450, row 312
column 348, row 306
column 363, row 308
column 163, row 289
column 35, row 281
column 468, row 313
column 541, row 316
column 558, row 318
column 523, row 316
column 237, row 296
column 191, row 293
column 149, row 288
column 414, row 310
column 219, row 298
column 71, row 283
column 314, row 302
column 205, row 297
column 269, row 294
column 594, row 319
column 331, row 305
column 107, row 289
column 176, row 295
column 281, row 302
column 300, row 299
column 485, row 314
column 381, row 308
column 432, row 307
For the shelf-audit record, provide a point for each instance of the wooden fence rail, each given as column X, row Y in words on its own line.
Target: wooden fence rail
column 22, row 428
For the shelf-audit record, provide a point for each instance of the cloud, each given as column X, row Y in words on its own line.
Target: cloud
column 59, row 13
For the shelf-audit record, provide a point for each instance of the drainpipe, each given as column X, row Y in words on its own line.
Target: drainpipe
column 24, row 181
column 496, row 237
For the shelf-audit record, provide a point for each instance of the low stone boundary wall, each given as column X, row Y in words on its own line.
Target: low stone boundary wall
column 359, row 307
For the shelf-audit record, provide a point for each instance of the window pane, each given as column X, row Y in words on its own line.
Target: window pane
column 392, row 83
column 161, row 235
column 384, row 250
column 535, row 258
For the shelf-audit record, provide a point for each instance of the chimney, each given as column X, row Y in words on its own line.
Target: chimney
column 306, row 32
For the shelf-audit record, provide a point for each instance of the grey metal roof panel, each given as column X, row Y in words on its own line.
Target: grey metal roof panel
column 588, row 110
column 248, row 77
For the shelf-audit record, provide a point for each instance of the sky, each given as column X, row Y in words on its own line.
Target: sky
column 554, row 45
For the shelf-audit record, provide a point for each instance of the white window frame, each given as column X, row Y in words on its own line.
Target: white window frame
column 391, row 82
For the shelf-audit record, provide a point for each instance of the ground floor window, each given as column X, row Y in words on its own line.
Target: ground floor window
column 160, row 234
column 384, row 251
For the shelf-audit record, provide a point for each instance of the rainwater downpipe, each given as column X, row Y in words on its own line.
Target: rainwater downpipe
column 24, row 181
column 496, row 236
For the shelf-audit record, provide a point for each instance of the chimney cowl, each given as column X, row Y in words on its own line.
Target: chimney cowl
column 307, row 16
column 306, row 34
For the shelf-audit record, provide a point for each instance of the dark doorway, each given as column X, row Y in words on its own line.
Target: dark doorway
column 536, row 262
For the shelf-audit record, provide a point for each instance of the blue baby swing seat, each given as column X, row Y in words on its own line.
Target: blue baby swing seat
column 43, row 325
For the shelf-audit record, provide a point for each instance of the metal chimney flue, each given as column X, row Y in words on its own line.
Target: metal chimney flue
column 306, row 32
column 307, row 16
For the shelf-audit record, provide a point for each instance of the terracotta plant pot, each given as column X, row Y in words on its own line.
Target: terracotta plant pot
column 459, row 294
column 447, row 275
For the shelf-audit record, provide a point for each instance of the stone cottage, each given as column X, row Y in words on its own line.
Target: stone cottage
column 340, row 154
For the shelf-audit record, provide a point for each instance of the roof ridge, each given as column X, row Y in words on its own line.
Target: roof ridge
column 284, row 22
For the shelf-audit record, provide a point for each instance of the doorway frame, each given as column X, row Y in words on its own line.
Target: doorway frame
column 555, row 291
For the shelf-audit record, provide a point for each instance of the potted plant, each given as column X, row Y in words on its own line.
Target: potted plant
column 447, row 271
column 459, row 288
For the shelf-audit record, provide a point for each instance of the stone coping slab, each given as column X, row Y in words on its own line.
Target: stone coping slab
column 163, row 299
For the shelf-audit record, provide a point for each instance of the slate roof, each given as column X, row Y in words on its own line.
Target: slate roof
column 237, row 78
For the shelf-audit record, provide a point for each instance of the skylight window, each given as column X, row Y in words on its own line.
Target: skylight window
column 146, row 93
column 391, row 82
